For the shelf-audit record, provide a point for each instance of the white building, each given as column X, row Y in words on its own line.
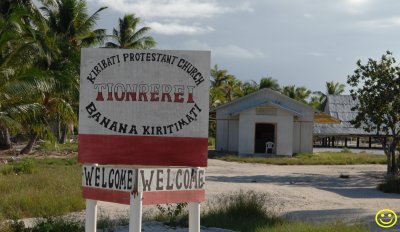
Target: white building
column 248, row 123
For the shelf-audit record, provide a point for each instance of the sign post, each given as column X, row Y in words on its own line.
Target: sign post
column 91, row 215
column 135, row 213
column 142, row 114
column 194, row 216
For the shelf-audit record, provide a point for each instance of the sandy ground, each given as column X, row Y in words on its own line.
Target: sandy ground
column 302, row 192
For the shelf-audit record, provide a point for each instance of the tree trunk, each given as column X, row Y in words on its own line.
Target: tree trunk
column 393, row 168
column 386, row 149
column 63, row 137
column 5, row 140
column 28, row 148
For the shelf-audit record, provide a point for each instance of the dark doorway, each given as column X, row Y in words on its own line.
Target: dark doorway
column 264, row 133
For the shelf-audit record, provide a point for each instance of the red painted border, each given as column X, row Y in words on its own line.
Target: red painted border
column 149, row 198
column 143, row 150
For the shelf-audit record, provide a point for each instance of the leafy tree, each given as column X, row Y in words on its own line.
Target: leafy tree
column 129, row 36
column 376, row 87
column 269, row 82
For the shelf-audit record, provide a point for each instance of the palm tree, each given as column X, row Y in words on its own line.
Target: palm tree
column 332, row 88
column 72, row 27
column 298, row 93
column 218, row 76
column 70, row 20
column 217, row 97
column 315, row 102
column 249, row 87
column 231, row 88
column 21, row 45
column 269, row 82
column 289, row 91
column 129, row 36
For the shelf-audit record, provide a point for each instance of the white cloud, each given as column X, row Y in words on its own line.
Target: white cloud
column 229, row 51
column 234, row 51
column 178, row 29
column 380, row 23
column 308, row 16
column 356, row 6
column 357, row 2
column 317, row 54
column 173, row 8
column 195, row 45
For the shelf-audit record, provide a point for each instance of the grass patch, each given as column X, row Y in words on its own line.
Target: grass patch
column 297, row 226
column 326, row 158
column 25, row 166
column 172, row 214
column 211, row 143
column 106, row 223
column 44, row 225
column 247, row 212
column 243, row 211
column 390, row 185
column 67, row 147
column 52, row 189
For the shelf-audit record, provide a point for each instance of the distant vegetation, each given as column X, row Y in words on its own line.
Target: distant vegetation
column 326, row 158
column 40, row 46
column 226, row 87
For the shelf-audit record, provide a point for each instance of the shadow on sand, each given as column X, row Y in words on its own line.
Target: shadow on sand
column 357, row 186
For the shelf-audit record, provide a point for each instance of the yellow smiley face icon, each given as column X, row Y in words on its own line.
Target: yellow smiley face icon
column 386, row 218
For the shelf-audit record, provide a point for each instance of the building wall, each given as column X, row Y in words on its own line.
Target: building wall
column 227, row 133
column 302, row 137
column 283, row 131
column 293, row 134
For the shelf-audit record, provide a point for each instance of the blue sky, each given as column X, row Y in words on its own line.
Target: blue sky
column 301, row 42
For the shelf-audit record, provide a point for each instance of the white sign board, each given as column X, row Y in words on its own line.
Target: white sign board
column 146, row 107
column 142, row 179
column 107, row 177
column 170, row 179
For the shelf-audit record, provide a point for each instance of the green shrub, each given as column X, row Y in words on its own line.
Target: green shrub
column 211, row 142
column 57, row 225
column 248, row 212
column 25, row 166
column 173, row 214
column 390, row 185
column 242, row 211
column 106, row 223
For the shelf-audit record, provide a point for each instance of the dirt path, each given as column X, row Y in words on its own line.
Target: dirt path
column 302, row 191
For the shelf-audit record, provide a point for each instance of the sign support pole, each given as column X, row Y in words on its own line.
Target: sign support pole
column 135, row 212
column 194, row 217
column 91, row 215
